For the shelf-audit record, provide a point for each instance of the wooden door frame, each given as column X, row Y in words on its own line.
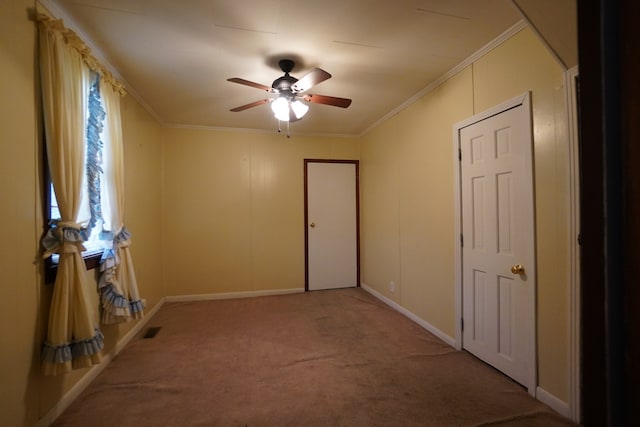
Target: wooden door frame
column 525, row 101
column 571, row 96
column 306, row 216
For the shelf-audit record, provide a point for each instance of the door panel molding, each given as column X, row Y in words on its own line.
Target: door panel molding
column 356, row 163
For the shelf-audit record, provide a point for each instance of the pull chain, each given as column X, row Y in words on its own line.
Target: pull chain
column 288, row 129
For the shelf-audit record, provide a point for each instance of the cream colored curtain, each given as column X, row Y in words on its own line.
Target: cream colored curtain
column 118, row 287
column 73, row 337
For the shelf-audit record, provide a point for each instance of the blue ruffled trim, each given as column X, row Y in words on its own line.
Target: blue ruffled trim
column 107, row 254
column 123, row 235
column 95, row 126
column 136, row 306
column 73, row 350
column 56, row 236
column 106, row 235
column 110, row 253
column 115, row 306
column 112, row 298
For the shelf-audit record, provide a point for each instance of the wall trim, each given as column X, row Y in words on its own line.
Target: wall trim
column 420, row 321
column 231, row 295
column 256, row 131
column 553, row 402
column 73, row 393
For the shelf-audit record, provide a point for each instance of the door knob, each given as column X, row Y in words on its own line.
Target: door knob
column 517, row 269
column 312, row 225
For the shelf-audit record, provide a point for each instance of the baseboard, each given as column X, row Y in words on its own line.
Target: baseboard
column 426, row 325
column 231, row 295
column 94, row 371
column 553, row 402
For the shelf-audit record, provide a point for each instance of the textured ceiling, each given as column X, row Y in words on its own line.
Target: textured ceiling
column 176, row 56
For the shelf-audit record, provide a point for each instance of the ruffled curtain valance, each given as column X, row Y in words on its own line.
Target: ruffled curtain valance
column 73, row 41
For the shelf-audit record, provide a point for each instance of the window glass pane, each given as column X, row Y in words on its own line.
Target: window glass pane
column 93, row 244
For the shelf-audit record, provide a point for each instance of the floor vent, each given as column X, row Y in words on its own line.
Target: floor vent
column 151, row 332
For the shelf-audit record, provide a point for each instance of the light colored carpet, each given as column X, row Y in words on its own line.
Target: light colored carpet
column 328, row 358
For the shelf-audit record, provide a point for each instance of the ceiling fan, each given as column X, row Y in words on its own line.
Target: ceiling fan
column 287, row 106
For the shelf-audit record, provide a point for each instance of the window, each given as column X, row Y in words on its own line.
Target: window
column 95, row 192
column 94, row 244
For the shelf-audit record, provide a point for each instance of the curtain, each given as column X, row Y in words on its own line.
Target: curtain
column 73, row 338
column 118, row 287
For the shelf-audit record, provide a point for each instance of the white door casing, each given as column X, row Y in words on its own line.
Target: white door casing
column 331, row 224
column 497, row 235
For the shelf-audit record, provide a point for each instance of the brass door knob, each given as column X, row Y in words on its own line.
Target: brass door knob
column 312, row 225
column 517, row 269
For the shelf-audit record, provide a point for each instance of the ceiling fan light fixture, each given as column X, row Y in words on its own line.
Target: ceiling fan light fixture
column 282, row 108
column 299, row 108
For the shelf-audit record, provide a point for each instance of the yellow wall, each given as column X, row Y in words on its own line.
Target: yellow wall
column 143, row 197
column 233, row 210
column 19, row 215
column 407, row 193
column 25, row 395
column 407, row 203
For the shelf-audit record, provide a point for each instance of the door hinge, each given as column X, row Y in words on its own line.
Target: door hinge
column 461, row 240
column 579, row 239
column 459, row 154
column 462, row 323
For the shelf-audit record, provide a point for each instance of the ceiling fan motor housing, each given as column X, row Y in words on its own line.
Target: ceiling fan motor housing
column 284, row 83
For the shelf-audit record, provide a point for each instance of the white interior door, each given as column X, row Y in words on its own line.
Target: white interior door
column 498, row 250
column 331, row 224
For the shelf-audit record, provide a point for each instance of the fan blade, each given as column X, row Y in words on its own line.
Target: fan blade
column 309, row 80
column 252, row 84
column 247, row 106
column 328, row 100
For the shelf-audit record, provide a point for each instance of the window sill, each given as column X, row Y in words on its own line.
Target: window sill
column 91, row 261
